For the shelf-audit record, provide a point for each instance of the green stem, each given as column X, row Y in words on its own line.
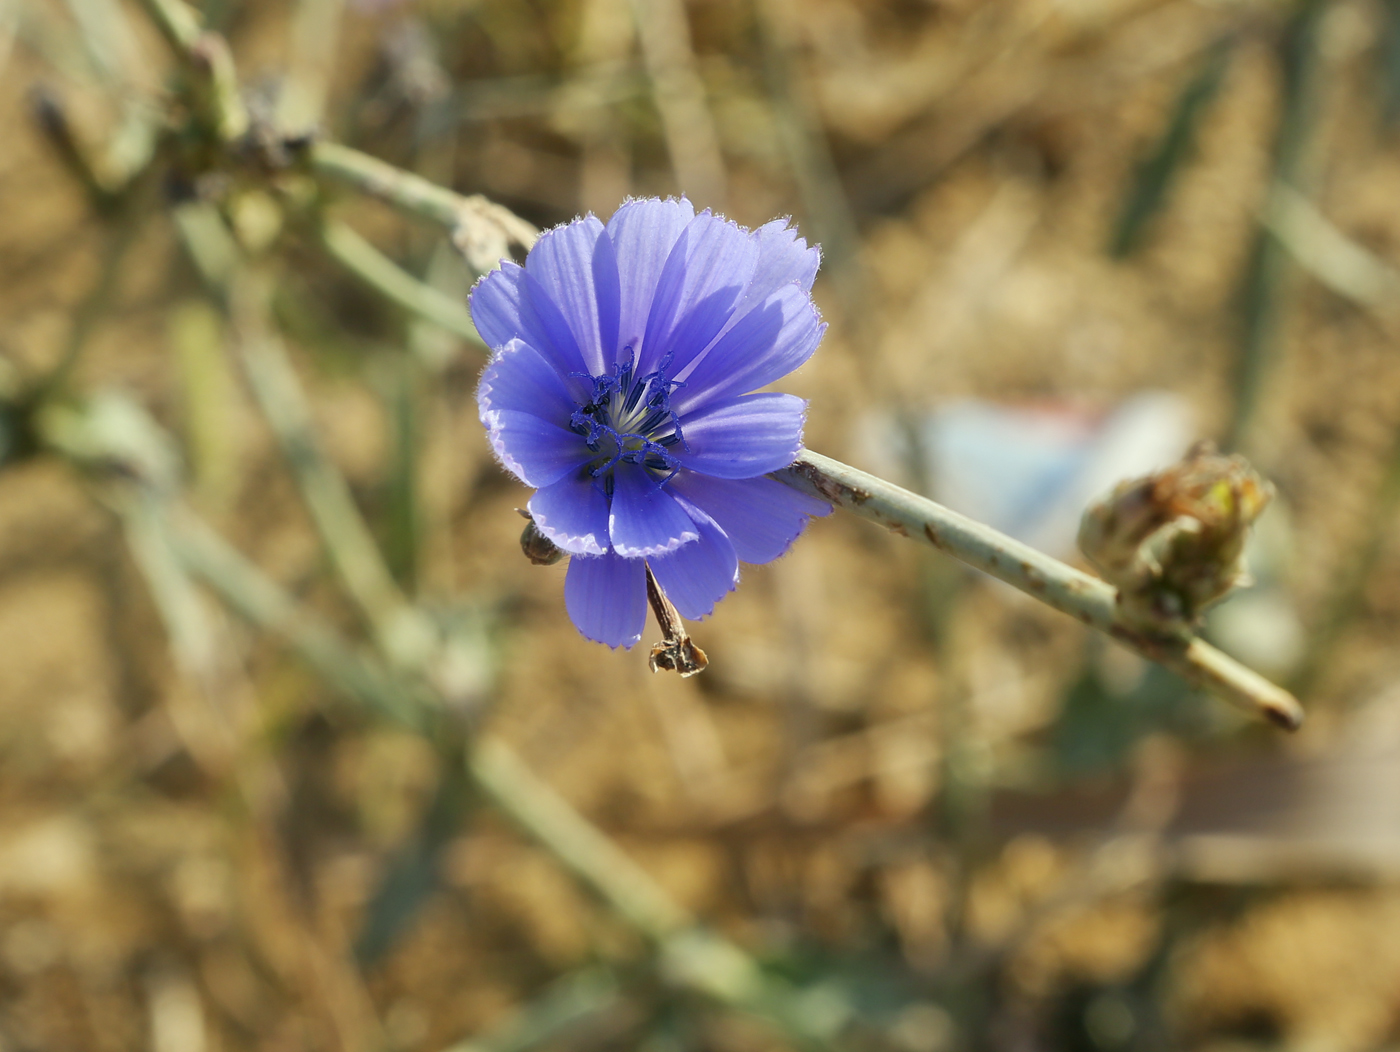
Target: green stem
column 209, row 59
column 94, row 305
column 1264, row 294
column 567, row 1004
column 691, row 957
column 581, row 847
column 1039, row 575
column 415, row 195
column 402, row 632
column 315, row 34
column 177, row 22
column 385, row 276
column 259, row 600
column 1328, row 255
column 1350, row 584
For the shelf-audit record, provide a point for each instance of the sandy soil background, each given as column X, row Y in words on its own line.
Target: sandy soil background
column 895, row 777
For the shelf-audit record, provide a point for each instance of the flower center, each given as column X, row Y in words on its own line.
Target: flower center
column 630, row 418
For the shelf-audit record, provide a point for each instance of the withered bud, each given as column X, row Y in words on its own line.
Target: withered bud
column 676, row 652
column 1173, row 542
column 538, row 548
column 678, row 655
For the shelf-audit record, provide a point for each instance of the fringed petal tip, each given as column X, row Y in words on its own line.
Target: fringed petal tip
column 697, row 576
column 573, row 514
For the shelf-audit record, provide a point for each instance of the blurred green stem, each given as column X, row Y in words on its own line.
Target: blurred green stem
column 119, row 240
column 1158, row 172
column 1350, row 584
column 1355, row 272
column 405, row 191
column 403, row 633
column 565, row 1005
column 691, row 957
column 464, row 217
column 1265, row 284
column 691, row 137
column 177, row 22
column 1039, row 575
column 315, row 33
column 262, row 602
column 207, row 57
column 402, row 401
column 385, row 276
column 803, row 139
column 1331, row 257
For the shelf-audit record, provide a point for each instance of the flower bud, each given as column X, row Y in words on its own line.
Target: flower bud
column 1173, row 542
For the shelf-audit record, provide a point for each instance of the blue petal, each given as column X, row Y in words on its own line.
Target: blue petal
column 504, row 308
column 783, row 259
column 764, row 345
column 520, row 379
column 562, row 347
column 573, row 513
column 696, row 576
column 704, row 275
column 606, row 598
column 499, row 309
column 531, row 448
column 760, row 516
column 575, row 267
column 643, row 233
column 645, row 519
column 738, row 438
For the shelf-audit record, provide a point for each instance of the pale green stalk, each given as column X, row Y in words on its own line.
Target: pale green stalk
column 418, row 197
column 402, row 631
column 315, row 35
column 560, row 1010
column 386, row 277
column 117, row 440
column 1040, row 576
column 691, row 137
column 208, row 57
column 1347, row 268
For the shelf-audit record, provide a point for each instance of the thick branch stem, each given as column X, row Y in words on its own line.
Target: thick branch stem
column 464, row 217
column 1040, row 576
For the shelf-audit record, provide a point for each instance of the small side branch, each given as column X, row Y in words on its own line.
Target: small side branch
column 481, row 229
column 1040, row 576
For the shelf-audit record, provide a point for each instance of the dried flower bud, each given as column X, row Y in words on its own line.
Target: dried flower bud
column 538, row 548
column 1173, row 542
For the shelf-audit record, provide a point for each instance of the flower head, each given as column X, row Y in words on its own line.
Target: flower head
column 619, row 389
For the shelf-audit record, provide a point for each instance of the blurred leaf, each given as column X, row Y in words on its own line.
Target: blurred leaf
column 1262, row 293
column 1155, row 175
column 564, row 1008
column 404, row 519
column 413, row 874
column 208, row 391
column 1388, row 61
column 1099, row 725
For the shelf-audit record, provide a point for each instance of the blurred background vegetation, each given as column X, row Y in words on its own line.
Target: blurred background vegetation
column 912, row 810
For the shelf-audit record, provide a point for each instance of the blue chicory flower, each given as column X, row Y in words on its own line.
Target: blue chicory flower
column 619, row 389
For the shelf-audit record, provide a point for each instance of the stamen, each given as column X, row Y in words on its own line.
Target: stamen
column 635, row 415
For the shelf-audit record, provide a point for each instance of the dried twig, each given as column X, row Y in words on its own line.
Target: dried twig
column 675, row 652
